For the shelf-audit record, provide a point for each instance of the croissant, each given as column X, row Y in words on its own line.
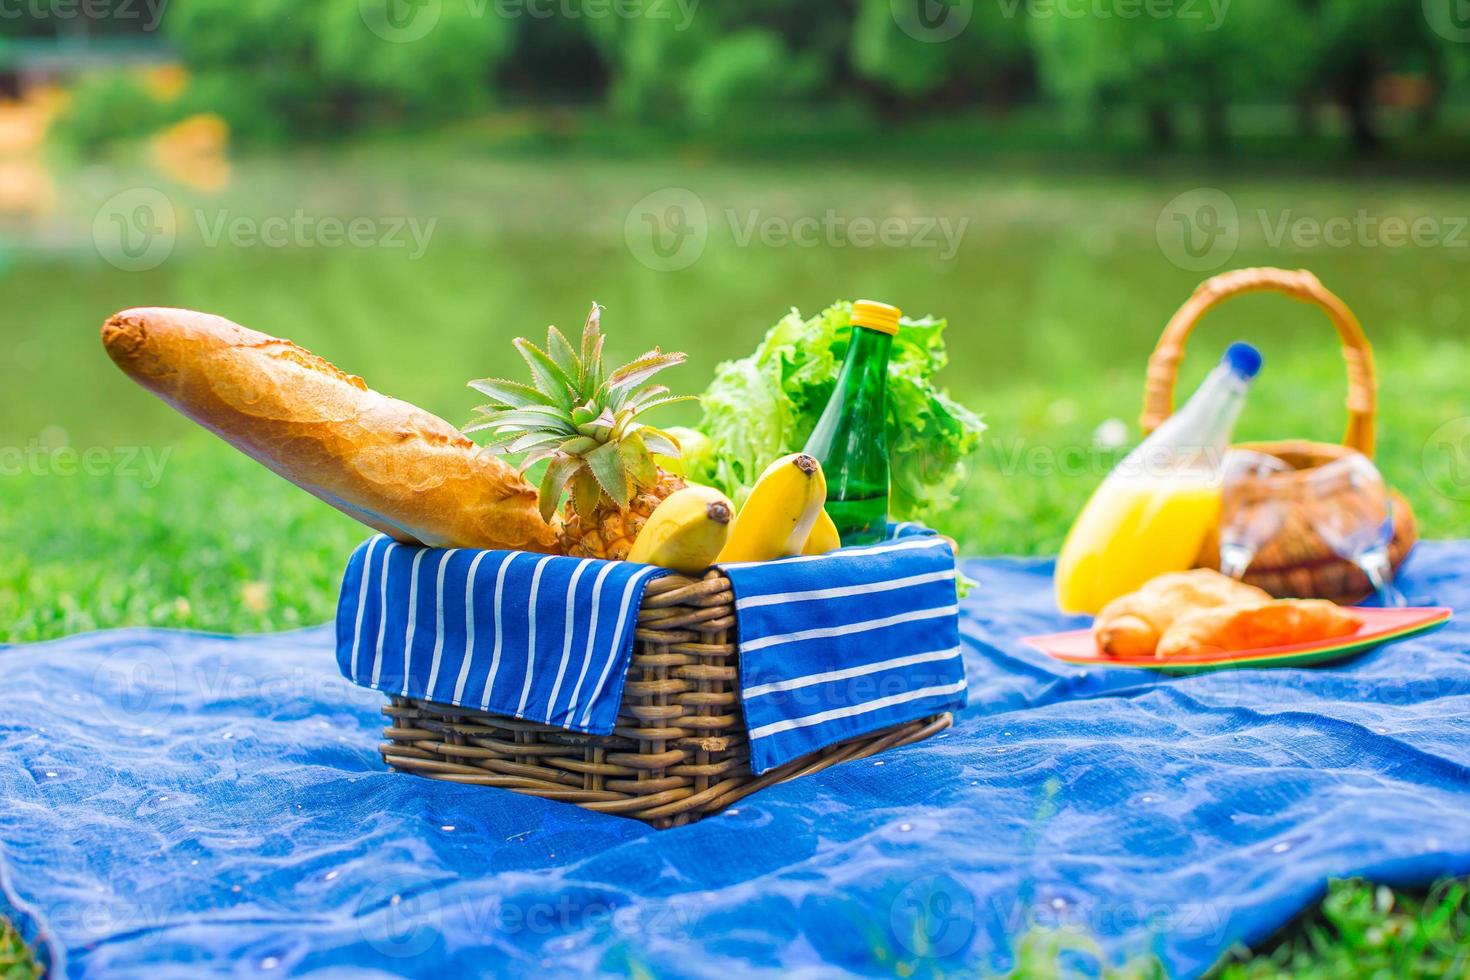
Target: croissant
column 1261, row 624
column 1131, row 625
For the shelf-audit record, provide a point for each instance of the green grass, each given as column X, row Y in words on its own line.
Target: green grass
column 1366, row 930
column 16, row 961
column 1359, row 930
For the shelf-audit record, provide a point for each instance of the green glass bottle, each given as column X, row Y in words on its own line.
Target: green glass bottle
column 851, row 439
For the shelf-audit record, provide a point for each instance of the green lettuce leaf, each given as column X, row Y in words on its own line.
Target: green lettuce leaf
column 764, row 406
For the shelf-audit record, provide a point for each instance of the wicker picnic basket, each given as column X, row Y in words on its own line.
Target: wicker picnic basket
column 679, row 751
column 1297, row 562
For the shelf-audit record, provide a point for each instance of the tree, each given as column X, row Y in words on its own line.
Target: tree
column 728, row 61
column 911, row 54
column 1360, row 40
column 319, row 67
column 1160, row 57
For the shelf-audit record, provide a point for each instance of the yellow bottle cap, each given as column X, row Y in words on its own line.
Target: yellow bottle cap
column 876, row 316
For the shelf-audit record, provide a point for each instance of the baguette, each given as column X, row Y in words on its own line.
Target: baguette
column 390, row 465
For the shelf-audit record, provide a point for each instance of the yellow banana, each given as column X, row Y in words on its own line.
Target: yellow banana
column 780, row 512
column 686, row 531
column 823, row 537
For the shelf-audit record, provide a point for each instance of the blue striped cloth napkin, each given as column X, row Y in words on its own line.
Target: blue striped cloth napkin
column 537, row 637
column 831, row 646
column 839, row 645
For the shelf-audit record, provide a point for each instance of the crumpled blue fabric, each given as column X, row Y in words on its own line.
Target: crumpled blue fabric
column 177, row 804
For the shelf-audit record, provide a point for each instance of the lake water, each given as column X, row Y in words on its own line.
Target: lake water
column 416, row 273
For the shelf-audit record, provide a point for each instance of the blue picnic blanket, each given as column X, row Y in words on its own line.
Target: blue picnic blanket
column 175, row 804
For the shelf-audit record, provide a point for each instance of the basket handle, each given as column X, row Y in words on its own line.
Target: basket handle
column 1301, row 285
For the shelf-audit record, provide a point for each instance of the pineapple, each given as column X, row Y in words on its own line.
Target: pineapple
column 583, row 424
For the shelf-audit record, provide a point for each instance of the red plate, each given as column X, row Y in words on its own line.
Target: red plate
column 1379, row 626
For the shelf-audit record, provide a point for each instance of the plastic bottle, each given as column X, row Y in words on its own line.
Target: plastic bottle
column 850, row 439
column 1153, row 512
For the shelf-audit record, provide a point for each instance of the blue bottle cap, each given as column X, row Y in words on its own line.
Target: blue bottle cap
column 1243, row 359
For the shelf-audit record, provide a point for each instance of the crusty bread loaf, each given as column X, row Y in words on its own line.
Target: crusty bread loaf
column 392, row 466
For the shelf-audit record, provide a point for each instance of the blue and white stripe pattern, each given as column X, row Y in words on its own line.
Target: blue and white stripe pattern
column 831, row 646
column 537, row 637
column 839, row 645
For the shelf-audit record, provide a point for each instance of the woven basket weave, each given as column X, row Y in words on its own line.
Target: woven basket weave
column 679, row 750
column 1297, row 562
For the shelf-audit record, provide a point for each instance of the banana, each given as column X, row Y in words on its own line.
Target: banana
column 686, row 531
column 824, row 536
column 780, row 512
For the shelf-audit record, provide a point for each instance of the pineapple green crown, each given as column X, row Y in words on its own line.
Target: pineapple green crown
column 580, row 419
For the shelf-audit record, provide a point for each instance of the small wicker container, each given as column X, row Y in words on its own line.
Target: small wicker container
column 679, row 750
column 1297, row 562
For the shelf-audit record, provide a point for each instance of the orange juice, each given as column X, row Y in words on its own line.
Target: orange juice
column 1131, row 531
column 1153, row 512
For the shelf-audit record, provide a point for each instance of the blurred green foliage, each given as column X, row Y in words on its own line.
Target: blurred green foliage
column 277, row 68
column 107, row 107
column 899, row 60
column 317, row 68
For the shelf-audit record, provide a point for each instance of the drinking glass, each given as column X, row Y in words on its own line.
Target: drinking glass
column 1349, row 505
column 1252, row 510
